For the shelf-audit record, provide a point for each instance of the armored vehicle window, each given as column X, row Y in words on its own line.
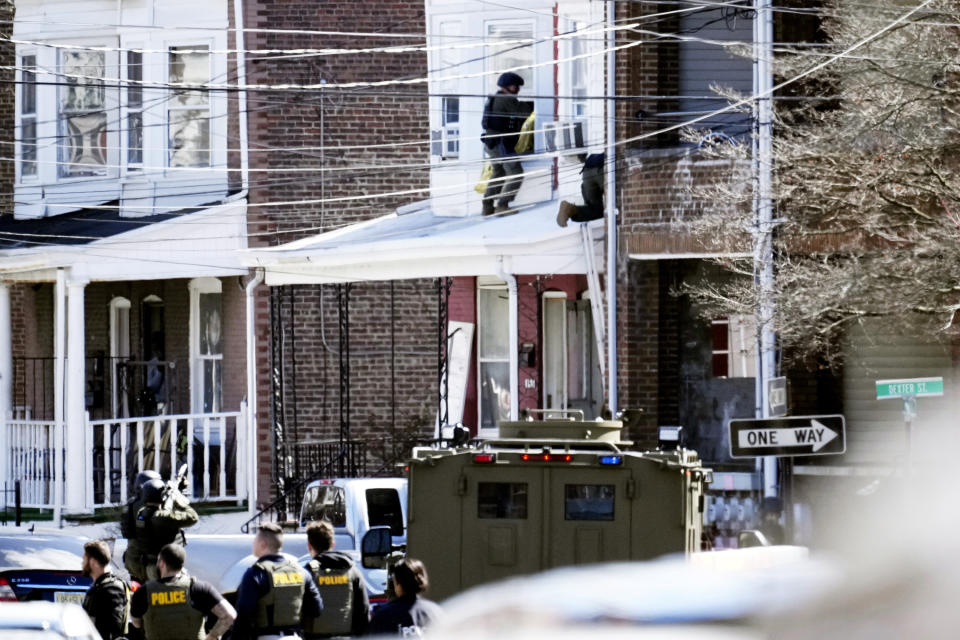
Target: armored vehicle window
column 383, row 509
column 502, row 500
column 325, row 502
column 589, row 502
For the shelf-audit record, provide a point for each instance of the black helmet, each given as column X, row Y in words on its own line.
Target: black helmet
column 509, row 78
column 142, row 477
column 153, row 490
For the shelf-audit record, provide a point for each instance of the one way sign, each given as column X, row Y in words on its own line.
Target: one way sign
column 793, row 436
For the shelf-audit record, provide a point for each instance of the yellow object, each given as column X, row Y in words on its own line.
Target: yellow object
column 485, row 174
column 525, row 141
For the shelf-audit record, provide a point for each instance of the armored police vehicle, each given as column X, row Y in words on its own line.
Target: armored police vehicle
column 548, row 493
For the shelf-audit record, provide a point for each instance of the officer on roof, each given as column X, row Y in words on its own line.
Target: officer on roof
column 346, row 605
column 175, row 606
column 160, row 521
column 276, row 593
column 503, row 117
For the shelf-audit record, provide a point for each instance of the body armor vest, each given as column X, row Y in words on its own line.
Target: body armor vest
column 280, row 606
column 336, row 591
column 150, row 538
column 170, row 614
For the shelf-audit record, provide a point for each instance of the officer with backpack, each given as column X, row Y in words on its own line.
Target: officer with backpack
column 346, row 607
column 128, row 524
column 175, row 607
column 160, row 521
column 107, row 602
column 276, row 594
column 503, row 117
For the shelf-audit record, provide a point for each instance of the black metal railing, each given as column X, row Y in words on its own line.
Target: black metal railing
column 312, row 461
column 14, row 494
column 115, row 387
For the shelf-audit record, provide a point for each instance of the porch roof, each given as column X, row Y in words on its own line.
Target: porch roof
column 417, row 242
column 98, row 244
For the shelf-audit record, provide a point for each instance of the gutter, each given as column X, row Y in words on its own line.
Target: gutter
column 251, row 416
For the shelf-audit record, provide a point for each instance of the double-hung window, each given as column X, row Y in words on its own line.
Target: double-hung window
column 82, row 114
column 506, row 51
column 188, row 113
column 494, row 349
column 28, row 115
column 134, row 104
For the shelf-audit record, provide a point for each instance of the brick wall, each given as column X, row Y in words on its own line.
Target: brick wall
column 360, row 130
column 7, row 102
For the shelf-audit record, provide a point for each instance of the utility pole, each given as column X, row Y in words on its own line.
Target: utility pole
column 611, row 202
column 763, row 232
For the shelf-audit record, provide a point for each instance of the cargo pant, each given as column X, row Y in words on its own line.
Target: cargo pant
column 592, row 189
column 506, row 179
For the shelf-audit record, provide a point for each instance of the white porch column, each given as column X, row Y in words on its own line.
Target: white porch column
column 6, row 374
column 77, row 457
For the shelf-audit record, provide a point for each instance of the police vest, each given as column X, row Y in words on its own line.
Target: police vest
column 336, row 591
column 170, row 614
column 280, row 606
column 128, row 520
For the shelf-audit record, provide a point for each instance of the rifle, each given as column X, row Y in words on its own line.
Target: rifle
column 174, row 487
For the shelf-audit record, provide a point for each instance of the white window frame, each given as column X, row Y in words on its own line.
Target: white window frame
column 490, row 82
column 21, row 116
column 487, row 284
column 446, row 135
column 200, row 286
column 208, row 106
column 548, row 350
column 119, row 348
column 111, row 110
column 126, row 111
column 741, row 351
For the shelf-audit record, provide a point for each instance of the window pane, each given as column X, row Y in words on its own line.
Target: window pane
column 494, row 323
column 383, row 510
column 720, row 334
column 189, row 140
column 189, row 68
column 28, row 102
column 83, row 119
column 210, row 324
column 589, row 502
column 28, row 147
column 212, row 378
column 135, row 73
column 502, row 500
column 494, row 393
column 326, row 503
column 510, row 55
column 135, row 138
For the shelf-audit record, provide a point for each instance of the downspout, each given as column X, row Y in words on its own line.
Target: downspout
column 611, row 201
column 514, row 329
column 241, row 62
column 252, row 391
column 59, row 368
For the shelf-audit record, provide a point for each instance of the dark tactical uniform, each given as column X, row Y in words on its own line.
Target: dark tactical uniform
column 108, row 605
column 174, row 608
column 503, row 116
column 346, row 608
column 154, row 528
column 274, row 595
column 404, row 616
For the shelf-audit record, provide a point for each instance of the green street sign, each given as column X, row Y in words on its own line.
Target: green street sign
column 917, row 387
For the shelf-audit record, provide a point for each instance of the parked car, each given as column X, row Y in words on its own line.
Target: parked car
column 37, row 565
column 45, row 621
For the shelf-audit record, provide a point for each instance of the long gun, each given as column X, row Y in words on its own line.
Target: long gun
column 174, row 487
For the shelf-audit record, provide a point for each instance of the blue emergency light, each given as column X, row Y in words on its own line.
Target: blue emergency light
column 611, row 459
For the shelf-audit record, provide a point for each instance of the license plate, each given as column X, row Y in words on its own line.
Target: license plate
column 75, row 597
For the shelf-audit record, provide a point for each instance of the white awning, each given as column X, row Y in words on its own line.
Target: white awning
column 422, row 244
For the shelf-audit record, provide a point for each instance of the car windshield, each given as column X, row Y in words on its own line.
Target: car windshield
column 41, row 552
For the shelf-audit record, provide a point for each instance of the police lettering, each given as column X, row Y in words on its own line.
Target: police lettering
column 168, row 597
column 332, row 580
column 287, row 579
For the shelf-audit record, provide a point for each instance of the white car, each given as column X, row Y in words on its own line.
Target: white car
column 45, row 621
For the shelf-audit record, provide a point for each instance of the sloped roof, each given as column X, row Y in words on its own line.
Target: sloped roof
column 420, row 243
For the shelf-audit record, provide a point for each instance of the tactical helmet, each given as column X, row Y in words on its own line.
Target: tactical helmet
column 142, row 477
column 153, row 490
column 509, row 78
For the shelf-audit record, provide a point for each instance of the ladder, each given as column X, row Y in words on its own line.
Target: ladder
column 596, row 298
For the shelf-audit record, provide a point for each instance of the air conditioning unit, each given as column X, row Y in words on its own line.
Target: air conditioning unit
column 445, row 142
column 564, row 135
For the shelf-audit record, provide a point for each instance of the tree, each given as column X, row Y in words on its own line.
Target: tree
column 866, row 182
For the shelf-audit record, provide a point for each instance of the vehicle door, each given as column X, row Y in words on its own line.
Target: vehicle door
column 502, row 523
column 589, row 515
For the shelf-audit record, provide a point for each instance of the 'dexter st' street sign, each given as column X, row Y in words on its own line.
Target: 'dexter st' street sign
column 917, row 387
column 793, row 436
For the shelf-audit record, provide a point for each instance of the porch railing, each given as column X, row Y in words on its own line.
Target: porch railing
column 209, row 444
